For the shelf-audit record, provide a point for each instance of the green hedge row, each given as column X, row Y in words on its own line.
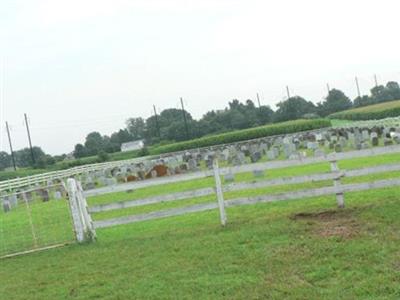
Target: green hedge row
column 371, row 112
column 242, row 135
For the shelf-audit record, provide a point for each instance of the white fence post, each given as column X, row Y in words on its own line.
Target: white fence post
column 337, row 183
column 220, row 194
column 82, row 222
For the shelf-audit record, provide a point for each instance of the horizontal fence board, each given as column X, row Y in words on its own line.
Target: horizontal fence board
column 147, row 183
column 152, row 200
column 245, row 185
column 311, row 178
column 33, row 179
column 270, row 165
column 331, row 190
column 155, row 215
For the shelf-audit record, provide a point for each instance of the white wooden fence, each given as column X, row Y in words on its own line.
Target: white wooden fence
column 62, row 174
column 335, row 175
column 9, row 185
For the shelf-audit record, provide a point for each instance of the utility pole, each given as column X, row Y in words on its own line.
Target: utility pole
column 29, row 139
column 358, row 88
column 157, row 124
column 329, row 89
column 287, row 91
column 11, row 148
column 184, row 119
column 259, row 107
column 376, row 80
column 258, row 101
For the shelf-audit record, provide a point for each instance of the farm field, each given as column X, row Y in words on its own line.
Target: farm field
column 370, row 112
column 304, row 249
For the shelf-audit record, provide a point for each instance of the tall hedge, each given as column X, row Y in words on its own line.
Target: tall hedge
column 246, row 134
column 371, row 112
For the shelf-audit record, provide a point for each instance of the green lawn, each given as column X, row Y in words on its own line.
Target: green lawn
column 305, row 249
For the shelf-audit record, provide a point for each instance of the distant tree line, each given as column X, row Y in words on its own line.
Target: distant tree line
column 169, row 125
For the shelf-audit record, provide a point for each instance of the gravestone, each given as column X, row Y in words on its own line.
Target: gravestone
column 28, row 196
column 13, row 200
column 312, row 145
column 271, row 154
column 57, row 195
column 338, row 148
column 229, row 177
column 192, row 164
column 89, row 186
column 387, row 141
column 111, row 181
column 6, row 206
column 319, row 153
column 44, row 194
column 365, row 135
column 364, row 145
column 374, row 139
column 255, row 156
column 258, row 173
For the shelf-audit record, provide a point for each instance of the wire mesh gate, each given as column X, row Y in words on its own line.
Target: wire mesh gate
column 35, row 219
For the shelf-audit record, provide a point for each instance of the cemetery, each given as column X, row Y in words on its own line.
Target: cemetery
column 199, row 150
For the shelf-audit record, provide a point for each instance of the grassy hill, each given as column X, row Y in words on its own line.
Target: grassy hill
column 371, row 112
column 305, row 249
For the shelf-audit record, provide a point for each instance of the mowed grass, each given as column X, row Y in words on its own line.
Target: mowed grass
column 35, row 224
column 304, row 249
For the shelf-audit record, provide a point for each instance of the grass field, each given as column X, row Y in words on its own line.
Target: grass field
column 305, row 249
column 370, row 112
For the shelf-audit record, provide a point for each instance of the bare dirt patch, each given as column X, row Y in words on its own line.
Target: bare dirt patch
column 330, row 223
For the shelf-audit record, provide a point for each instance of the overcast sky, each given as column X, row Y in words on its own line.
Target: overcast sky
column 78, row 66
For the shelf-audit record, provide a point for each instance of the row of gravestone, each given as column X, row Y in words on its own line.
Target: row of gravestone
column 11, row 201
column 292, row 146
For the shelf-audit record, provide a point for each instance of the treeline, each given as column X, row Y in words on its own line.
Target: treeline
column 169, row 126
column 23, row 159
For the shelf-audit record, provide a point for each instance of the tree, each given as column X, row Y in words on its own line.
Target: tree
column 94, row 143
column 80, row 151
column 135, row 129
column 334, row 102
column 5, row 160
column 23, row 157
column 363, row 101
column 293, row 108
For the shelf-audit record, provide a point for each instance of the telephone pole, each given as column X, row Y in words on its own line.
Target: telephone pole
column 157, row 124
column 184, row 119
column 258, row 101
column 358, row 88
column 11, row 148
column 329, row 89
column 287, row 91
column 29, row 138
column 376, row 80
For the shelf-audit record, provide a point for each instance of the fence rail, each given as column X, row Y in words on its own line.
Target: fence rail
column 335, row 175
